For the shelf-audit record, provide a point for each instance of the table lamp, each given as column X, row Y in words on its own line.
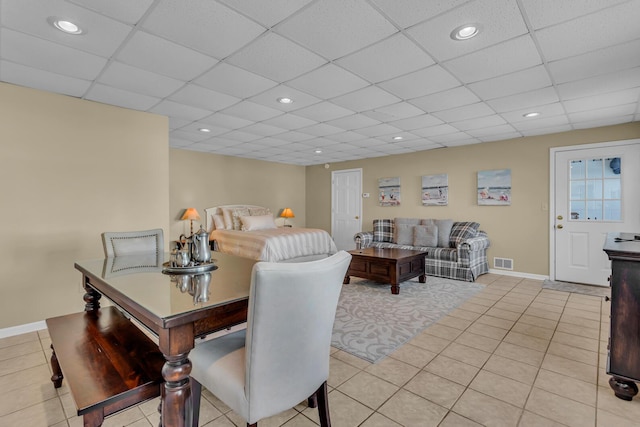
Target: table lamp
column 287, row 213
column 191, row 214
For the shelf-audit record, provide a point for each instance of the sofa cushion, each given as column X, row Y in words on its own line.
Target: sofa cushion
column 462, row 231
column 383, row 230
column 428, row 221
column 444, row 230
column 403, row 234
column 425, row 235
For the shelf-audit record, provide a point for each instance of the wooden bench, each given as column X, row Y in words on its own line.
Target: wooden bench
column 109, row 363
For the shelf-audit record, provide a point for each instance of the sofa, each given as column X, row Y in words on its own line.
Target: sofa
column 455, row 249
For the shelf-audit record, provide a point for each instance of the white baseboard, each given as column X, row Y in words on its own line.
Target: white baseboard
column 23, row 329
column 518, row 274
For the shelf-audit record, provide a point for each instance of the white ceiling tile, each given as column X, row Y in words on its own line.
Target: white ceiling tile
column 532, row 98
column 417, row 122
column 481, row 132
column 497, row 136
column 328, row 81
column 504, row 58
column 126, row 11
column 196, row 126
column 549, row 110
column 126, row 77
column 379, row 130
column 541, row 15
column 161, row 56
column 546, row 131
column 276, row 58
column 471, row 111
column 614, row 119
column 601, row 84
column 234, row 81
column 401, row 110
column 238, row 135
column 455, row 140
column 347, row 136
column 188, row 136
column 604, row 113
column 602, row 61
column 323, row 111
column 500, row 20
column 430, row 131
column 605, row 100
column 368, row 98
column 616, row 24
column 494, row 121
column 263, row 129
column 251, row 111
column 44, row 55
column 445, row 100
column 335, row 28
column 102, row 35
column 120, row 97
column 290, row 121
column 387, row 59
column 203, row 98
column 177, row 122
column 409, row 12
column 294, row 136
column 268, row 13
column 354, row 121
column 270, row 98
column 418, row 145
column 43, row 80
column 227, row 121
column 321, row 129
column 170, row 108
column 543, row 123
column 510, row 84
column 423, row 82
column 201, row 25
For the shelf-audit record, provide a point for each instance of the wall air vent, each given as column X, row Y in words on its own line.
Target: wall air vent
column 503, row 263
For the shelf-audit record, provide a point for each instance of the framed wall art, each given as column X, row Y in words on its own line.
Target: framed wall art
column 494, row 187
column 435, row 190
column 389, row 191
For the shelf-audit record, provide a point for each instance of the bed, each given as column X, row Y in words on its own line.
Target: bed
column 250, row 231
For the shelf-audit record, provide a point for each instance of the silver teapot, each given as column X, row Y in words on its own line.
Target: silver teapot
column 200, row 250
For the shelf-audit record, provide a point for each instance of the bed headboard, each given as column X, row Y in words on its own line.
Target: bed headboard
column 217, row 210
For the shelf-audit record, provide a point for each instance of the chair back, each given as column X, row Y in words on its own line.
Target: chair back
column 133, row 242
column 292, row 309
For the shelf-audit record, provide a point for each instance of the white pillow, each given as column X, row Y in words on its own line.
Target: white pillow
column 258, row 222
column 218, row 222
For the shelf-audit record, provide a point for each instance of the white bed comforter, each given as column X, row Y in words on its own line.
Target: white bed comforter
column 275, row 245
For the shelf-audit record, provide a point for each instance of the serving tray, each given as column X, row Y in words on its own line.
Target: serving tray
column 194, row 269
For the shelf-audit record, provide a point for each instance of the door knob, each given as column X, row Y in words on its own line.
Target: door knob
column 559, row 226
column 560, row 217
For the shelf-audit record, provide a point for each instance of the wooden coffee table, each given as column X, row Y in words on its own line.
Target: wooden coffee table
column 389, row 265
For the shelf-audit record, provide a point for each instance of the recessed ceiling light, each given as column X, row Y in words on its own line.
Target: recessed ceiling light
column 531, row 114
column 65, row 26
column 204, row 130
column 285, row 100
column 318, row 151
column 465, row 32
column 397, row 138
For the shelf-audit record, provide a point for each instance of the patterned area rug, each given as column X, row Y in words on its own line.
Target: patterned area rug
column 371, row 322
column 598, row 291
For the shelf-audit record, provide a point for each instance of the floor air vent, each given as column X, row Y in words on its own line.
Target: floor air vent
column 503, row 263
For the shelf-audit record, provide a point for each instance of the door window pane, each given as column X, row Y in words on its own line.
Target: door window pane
column 595, row 189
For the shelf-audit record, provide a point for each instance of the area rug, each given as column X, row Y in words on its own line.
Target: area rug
column 371, row 322
column 598, row 291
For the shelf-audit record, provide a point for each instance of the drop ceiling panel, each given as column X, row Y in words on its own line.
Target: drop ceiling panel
column 471, row 111
column 419, row 83
column 120, row 97
column 532, row 98
column 602, row 84
column 334, row 28
column 270, row 97
column 354, row 121
column 203, row 98
column 126, row 11
column 541, row 15
column 170, row 108
column 368, row 98
column 510, row 84
column 268, row 13
column 202, row 26
column 328, row 81
column 606, row 100
column 410, row 12
column 134, row 79
column 251, row 111
column 323, row 111
column 290, row 121
column 494, row 121
column 418, row 122
column 234, row 81
column 262, row 129
column 401, row 110
column 445, row 100
column 43, row 80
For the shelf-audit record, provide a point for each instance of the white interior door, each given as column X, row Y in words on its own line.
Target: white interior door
column 346, row 207
column 595, row 194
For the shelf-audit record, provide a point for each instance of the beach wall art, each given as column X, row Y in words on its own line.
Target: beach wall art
column 389, row 191
column 494, row 187
column 435, row 190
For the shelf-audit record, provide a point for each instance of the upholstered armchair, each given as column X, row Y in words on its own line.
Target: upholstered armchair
column 282, row 358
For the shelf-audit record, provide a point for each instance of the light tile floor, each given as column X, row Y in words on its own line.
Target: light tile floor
column 513, row 355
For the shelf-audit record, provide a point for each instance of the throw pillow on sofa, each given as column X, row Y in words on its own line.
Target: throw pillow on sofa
column 462, row 231
column 425, row 236
column 404, row 234
column 444, row 230
column 383, row 230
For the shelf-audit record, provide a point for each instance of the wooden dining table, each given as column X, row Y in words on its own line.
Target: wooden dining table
column 177, row 308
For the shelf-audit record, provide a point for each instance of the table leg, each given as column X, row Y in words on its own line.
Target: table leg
column 623, row 389
column 176, row 408
column 422, row 278
column 91, row 297
column 395, row 288
column 346, row 280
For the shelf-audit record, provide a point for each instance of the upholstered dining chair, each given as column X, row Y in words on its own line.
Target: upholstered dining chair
column 282, row 357
column 133, row 242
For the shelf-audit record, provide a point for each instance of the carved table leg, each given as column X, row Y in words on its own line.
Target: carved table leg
column 395, row 289
column 176, row 402
column 57, row 377
column 623, row 389
column 422, row 278
column 346, row 280
column 91, row 298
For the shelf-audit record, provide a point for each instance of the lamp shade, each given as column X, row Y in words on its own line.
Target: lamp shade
column 192, row 214
column 287, row 213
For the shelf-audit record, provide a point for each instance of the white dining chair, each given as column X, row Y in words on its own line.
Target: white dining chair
column 282, row 357
column 133, row 242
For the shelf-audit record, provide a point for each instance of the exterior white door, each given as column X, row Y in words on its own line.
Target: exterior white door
column 595, row 193
column 346, row 207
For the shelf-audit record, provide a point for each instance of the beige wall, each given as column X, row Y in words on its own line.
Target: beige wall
column 70, row 169
column 519, row 231
column 203, row 180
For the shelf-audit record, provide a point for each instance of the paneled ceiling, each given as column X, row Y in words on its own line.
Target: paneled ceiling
column 368, row 78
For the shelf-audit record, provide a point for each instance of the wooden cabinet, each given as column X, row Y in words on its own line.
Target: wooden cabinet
column 623, row 362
